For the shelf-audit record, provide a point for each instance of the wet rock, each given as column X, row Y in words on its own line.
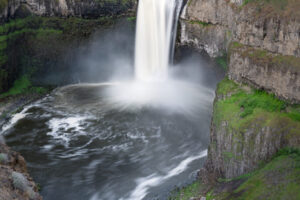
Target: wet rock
column 19, row 181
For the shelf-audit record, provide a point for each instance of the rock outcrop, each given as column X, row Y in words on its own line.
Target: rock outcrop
column 266, row 27
column 211, row 24
column 275, row 73
column 14, row 179
column 247, row 129
column 262, row 42
column 86, row 9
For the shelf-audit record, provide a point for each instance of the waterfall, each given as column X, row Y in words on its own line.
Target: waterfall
column 155, row 38
column 154, row 49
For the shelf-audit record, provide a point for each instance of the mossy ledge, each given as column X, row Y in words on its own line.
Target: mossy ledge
column 254, row 148
column 277, row 179
column 249, row 126
column 260, row 68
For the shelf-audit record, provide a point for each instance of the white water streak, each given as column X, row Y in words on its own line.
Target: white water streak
column 14, row 119
column 144, row 184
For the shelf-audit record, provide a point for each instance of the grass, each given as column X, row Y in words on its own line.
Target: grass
column 259, row 99
column 278, row 179
column 227, row 86
column 242, row 107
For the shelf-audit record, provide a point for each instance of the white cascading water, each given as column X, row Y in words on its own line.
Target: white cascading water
column 155, row 37
column 154, row 50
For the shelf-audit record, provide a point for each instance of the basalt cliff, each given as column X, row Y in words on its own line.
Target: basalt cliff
column 255, row 129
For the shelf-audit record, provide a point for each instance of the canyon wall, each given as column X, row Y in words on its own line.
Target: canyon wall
column 44, row 36
column 86, row 9
column 261, row 40
column 270, row 29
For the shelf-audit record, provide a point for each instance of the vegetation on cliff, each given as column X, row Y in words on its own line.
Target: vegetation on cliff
column 277, row 179
column 288, row 9
column 263, row 57
column 35, row 45
column 248, row 118
column 240, row 105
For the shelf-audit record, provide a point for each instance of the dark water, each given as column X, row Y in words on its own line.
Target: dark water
column 78, row 148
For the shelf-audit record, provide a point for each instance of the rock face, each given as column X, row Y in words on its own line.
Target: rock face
column 14, row 180
column 269, row 28
column 262, row 43
column 262, row 69
column 246, row 132
column 87, row 9
column 262, row 26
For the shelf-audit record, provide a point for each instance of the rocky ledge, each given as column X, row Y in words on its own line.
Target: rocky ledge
column 261, row 39
column 65, row 8
column 15, row 182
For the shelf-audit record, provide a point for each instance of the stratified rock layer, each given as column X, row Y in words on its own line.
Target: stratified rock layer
column 265, row 27
column 259, row 25
column 248, row 128
column 86, row 9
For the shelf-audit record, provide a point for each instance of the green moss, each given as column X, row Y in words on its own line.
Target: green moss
column 186, row 193
column 227, row 156
column 227, row 86
column 236, row 45
column 19, row 86
column 131, row 18
column 24, row 85
column 199, row 23
column 260, row 99
column 244, row 106
column 279, row 179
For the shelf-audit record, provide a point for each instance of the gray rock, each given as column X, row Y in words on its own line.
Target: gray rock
column 228, row 22
column 3, row 158
column 19, row 181
column 89, row 8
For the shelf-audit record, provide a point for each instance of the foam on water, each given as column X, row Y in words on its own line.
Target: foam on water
column 175, row 96
column 65, row 129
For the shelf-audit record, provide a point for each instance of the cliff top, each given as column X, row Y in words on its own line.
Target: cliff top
column 287, row 9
